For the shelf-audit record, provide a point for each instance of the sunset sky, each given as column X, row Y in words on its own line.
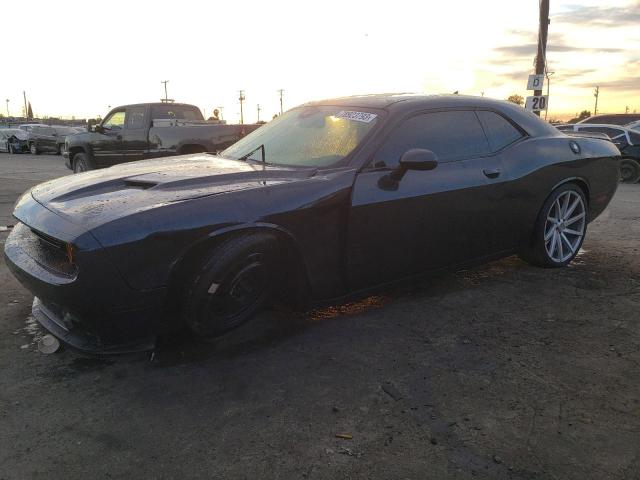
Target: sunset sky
column 79, row 57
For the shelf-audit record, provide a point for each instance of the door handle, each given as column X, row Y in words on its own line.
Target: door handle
column 491, row 172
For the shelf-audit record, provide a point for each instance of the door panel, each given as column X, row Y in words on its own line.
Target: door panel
column 435, row 219
column 134, row 135
column 107, row 147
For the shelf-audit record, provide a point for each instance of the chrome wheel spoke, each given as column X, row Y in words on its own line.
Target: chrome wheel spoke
column 572, row 232
column 550, row 233
column 572, row 207
column 573, row 220
column 566, row 240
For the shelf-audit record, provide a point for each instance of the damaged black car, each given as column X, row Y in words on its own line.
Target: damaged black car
column 330, row 199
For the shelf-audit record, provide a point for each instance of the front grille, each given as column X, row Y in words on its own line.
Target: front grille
column 47, row 251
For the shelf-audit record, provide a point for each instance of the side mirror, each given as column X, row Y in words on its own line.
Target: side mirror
column 418, row 159
column 414, row 159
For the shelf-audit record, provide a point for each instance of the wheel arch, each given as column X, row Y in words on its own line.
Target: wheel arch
column 294, row 274
column 579, row 181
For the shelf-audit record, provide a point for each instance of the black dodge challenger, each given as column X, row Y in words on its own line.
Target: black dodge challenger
column 331, row 198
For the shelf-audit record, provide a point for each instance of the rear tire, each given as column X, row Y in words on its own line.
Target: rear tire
column 560, row 229
column 231, row 285
column 629, row 171
column 33, row 149
column 81, row 163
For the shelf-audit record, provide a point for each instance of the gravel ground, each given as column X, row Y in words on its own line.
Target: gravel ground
column 501, row 372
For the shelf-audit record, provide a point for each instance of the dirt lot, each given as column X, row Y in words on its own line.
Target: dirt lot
column 504, row 371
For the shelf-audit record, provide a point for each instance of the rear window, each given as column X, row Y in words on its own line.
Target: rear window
column 499, row 130
column 178, row 112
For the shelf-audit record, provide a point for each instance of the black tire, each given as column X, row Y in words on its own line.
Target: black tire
column 231, row 284
column 629, row 171
column 81, row 163
column 33, row 149
column 536, row 253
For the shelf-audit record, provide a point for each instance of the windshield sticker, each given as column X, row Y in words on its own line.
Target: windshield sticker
column 357, row 116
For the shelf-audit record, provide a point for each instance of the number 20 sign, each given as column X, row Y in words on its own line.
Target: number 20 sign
column 537, row 103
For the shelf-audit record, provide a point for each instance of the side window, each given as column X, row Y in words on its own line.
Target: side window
column 450, row 135
column 635, row 138
column 611, row 132
column 499, row 131
column 135, row 117
column 115, row 121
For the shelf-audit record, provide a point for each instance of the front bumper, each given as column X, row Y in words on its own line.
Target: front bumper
column 63, row 326
column 91, row 308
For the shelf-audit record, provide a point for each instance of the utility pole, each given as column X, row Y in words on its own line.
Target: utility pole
column 258, row 113
column 596, row 93
column 166, row 97
column 541, row 57
column 7, row 100
column 281, row 91
column 24, row 95
column 242, row 98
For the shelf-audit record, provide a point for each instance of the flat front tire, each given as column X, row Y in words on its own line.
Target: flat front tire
column 230, row 285
column 560, row 228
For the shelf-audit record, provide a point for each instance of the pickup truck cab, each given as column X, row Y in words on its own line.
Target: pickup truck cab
column 148, row 130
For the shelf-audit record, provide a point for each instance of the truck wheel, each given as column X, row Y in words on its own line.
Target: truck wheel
column 33, row 149
column 80, row 163
column 629, row 171
column 231, row 285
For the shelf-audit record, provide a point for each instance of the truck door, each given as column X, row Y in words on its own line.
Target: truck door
column 107, row 146
column 135, row 133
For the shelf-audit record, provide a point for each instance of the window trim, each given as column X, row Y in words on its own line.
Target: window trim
column 368, row 167
column 112, row 113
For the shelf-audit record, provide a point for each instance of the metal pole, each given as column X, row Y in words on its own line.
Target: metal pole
column 7, row 100
column 26, row 112
column 166, row 97
column 258, row 113
column 596, row 94
column 242, row 99
column 281, row 91
column 541, row 57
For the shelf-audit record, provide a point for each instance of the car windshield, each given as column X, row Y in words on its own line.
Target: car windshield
column 311, row 136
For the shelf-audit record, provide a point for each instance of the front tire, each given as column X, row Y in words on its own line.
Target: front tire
column 231, row 285
column 559, row 230
column 33, row 149
column 629, row 171
column 81, row 163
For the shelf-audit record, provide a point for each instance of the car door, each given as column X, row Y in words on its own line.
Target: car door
column 433, row 219
column 134, row 134
column 107, row 144
column 47, row 139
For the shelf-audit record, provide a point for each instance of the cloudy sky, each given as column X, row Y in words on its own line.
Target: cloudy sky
column 80, row 57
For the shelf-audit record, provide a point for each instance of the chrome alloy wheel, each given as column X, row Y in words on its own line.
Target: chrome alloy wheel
column 565, row 226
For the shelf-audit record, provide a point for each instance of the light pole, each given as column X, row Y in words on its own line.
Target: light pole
column 166, row 97
column 7, row 100
column 242, row 98
column 258, row 113
column 596, row 94
column 281, row 91
column 548, row 75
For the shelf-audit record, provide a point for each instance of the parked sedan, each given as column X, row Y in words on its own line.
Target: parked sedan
column 627, row 141
column 62, row 132
column 13, row 140
column 329, row 199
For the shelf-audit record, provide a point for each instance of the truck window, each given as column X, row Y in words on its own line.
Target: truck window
column 178, row 112
column 135, row 117
column 115, row 120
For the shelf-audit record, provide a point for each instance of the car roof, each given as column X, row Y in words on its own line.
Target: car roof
column 401, row 103
column 595, row 125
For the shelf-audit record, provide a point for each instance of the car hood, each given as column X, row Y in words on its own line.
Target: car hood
column 97, row 197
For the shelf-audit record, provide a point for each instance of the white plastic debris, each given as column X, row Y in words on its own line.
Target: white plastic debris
column 48, row 344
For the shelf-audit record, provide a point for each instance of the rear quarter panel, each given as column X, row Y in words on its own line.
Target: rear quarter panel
column 537, row 166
